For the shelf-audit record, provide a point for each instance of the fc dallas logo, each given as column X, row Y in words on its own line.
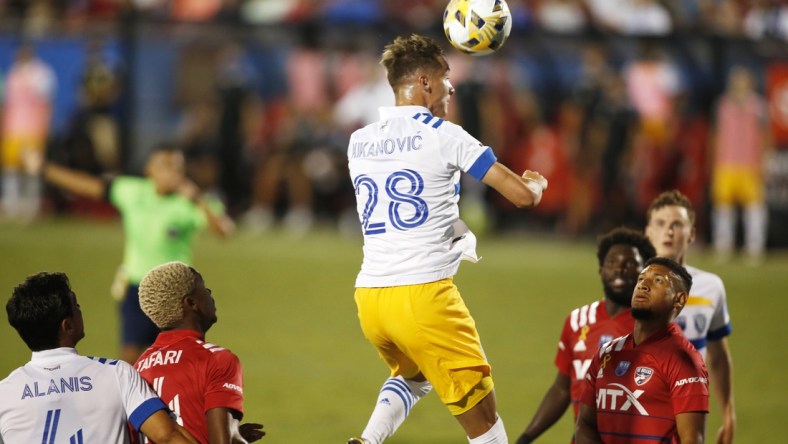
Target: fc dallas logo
column 642, row 375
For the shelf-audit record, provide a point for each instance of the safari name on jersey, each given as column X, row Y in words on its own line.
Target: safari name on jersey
column 387, row 146
column 72, row 384
column 158, row 358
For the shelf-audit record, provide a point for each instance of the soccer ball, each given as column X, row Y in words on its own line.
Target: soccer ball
column 477, row 27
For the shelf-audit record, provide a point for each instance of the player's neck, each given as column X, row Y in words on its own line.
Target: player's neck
column 409, row 95
column 645, row 328
column 190, row 324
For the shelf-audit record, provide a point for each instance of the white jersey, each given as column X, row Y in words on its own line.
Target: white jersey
column 406, row 172
column 63, row 397
column 705, row 317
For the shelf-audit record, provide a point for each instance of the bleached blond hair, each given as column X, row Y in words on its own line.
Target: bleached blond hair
column 162, row 291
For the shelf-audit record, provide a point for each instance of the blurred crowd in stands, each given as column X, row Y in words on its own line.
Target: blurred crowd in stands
column 753, row 18
column 612, row 100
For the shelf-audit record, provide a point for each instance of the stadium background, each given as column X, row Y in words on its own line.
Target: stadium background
column 185, row 68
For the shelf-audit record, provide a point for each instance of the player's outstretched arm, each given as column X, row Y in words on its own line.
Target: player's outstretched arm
column 720, row 366
column 220, row 223
column 691, row 427
column 523, row 191
column 224, row 428
column 553, row 406
column 160, row 428
column 74, row 181
column 586, row 431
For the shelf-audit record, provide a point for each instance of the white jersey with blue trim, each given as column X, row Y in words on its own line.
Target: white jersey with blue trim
column 406, row 170
column 705, row 316
column 63, row 397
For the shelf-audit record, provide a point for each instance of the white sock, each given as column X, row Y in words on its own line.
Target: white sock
column 10, row 189
column 755, row 226
column 395, row 401
column 30, row 202
column 724, row 226
column 496, row 435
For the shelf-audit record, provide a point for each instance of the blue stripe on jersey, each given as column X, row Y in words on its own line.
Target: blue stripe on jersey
column 719, row 333
column 144, row 410
column 55, row 420
column 50, row 424
column 103, row 360
column 699, row 344
column 456, row 189
column 46, row 427
column 482, row 164
column 76, row 438
column 427, row 118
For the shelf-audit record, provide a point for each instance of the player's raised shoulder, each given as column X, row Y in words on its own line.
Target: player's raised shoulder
column 451, row 129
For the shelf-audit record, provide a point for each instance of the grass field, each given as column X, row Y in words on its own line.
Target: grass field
column 286, row 308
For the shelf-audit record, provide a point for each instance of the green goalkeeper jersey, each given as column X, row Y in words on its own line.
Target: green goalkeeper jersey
column 157, row 228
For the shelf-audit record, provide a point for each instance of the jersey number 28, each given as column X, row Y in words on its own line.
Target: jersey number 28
column 408, row 197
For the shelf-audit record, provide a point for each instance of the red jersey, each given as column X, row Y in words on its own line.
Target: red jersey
column 585, row 330
column 192, row 376
column 639, row 390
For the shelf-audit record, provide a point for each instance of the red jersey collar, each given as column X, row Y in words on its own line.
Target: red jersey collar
column 171, row 336
column 670, row 330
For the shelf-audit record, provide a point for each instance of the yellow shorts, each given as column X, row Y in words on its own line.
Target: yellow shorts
column 12, row 150
column 426, row 328
column 732, row 185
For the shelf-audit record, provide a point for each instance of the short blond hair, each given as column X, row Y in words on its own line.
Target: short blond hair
column 162, row 291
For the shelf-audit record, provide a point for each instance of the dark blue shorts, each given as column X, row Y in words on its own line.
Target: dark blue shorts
column 137, row 328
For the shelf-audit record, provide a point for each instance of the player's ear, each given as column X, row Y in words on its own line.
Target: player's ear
column 66, row 325
column 424, row 81
column 680, row 300
column 189, row 302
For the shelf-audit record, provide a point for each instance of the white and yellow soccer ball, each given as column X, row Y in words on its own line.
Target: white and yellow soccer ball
column 477, row 27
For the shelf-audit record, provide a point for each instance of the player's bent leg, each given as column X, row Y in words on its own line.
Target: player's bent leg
column 496, row 435
column 395, row 401
column 478, row 416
